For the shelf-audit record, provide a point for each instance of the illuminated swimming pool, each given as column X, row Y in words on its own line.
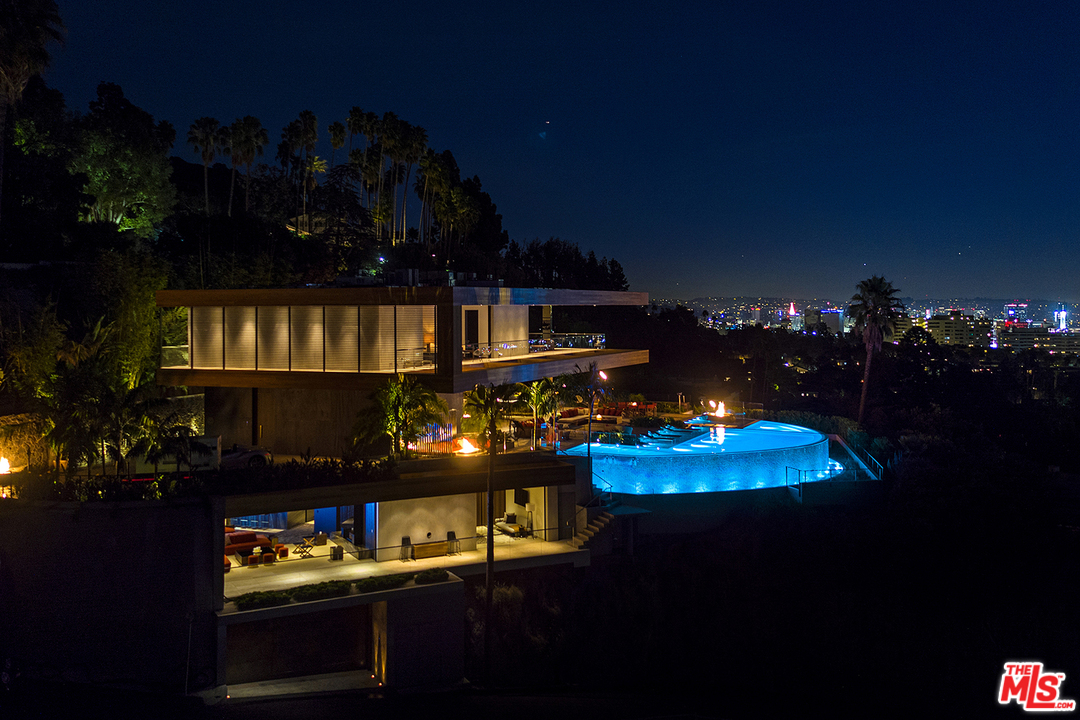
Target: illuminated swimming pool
column 706, row 458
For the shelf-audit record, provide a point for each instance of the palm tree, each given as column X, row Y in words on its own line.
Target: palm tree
column 26, row 29
column 415, row 147
column 309, row 131
column 590, row 382
column 355, row 124
column 253, row 138
column 231, row 146
column 405, row 408
column 205, row 138
column 539, row 396
column 167, row 434
column 337, row 138
column 488, row 405
column 315, row 165
column 875, row 308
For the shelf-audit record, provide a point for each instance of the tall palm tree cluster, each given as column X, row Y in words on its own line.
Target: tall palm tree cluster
column 381, row 156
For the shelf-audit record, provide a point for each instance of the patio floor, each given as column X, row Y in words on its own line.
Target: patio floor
column 510, row 554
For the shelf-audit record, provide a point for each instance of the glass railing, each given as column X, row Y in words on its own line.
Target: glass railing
column 175, row 356
column 494, row 350
column 566, row 341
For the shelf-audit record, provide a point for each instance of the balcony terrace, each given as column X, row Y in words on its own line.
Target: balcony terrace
column 511, row 553
column 351, row 339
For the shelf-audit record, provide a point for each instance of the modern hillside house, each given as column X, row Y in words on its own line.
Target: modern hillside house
column 290, row 369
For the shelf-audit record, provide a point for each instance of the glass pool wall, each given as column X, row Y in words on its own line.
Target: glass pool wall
column 709, row 459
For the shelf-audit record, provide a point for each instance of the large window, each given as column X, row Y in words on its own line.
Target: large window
column 313, row 338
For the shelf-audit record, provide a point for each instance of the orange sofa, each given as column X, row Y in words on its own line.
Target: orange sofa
column 244, row 540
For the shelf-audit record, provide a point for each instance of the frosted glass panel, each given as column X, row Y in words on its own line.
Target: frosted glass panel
column 342, row 339
column 273, row 338
column 206, row 337
column 239, row 338
column 306, row 326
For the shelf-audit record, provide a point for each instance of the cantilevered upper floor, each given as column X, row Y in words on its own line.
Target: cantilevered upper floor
column 451, row 338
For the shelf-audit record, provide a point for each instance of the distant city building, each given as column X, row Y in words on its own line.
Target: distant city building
column 1019, row 338
column 957, row 328
column 1016, row 312
column 834, row 320
column 903, row 324
column 795, row 319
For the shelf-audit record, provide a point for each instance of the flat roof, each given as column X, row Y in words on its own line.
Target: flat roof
column 397, row 296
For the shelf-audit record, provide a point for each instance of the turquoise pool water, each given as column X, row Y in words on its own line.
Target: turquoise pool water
column 709, row 458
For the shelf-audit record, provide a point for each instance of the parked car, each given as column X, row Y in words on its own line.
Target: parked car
column 241, row 456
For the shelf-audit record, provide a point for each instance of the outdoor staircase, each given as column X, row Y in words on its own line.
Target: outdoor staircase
column 596, row 524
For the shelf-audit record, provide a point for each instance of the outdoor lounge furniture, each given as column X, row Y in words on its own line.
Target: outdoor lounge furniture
column 228, row 564
column 304, row 548
column 243, row 540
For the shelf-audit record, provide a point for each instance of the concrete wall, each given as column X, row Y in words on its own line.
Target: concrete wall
column 698, row 512
column 103, row 592
column 292, row 421
column 415, row 519
column 330, row 641
column 426, row 639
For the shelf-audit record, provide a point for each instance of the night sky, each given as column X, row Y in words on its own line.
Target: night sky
column 751, row 148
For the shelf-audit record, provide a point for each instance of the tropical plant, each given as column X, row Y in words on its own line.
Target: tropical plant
column 315, row 167
column 124, row 155
column 587, row 386
column 539, row 396
column 415, row 146
column 875, row 308
column 337, row 138
column 355, row 125
column 404, row 409
column 488, row 404
column 26, row 29
column 204, row 136
column 252, row 138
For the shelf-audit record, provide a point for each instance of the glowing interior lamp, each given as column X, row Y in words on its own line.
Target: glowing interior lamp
column 5, row 466
column 467, row 448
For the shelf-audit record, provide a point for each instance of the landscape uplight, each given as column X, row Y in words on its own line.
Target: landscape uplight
column 603, row 375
